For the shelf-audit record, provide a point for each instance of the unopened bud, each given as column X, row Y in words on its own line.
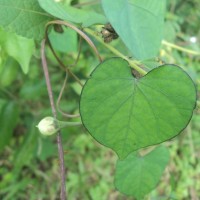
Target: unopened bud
column 48, row 126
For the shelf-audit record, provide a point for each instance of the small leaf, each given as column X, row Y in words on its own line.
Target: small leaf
column 138, row 175
column 126, row 114
column 139, row 23
column 25, row 17
column 20, row 48
column 65, row 42
column 86, row 18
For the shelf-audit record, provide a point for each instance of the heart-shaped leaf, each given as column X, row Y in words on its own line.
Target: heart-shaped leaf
column 138, row 175
column 125, row 113
column 139, row 23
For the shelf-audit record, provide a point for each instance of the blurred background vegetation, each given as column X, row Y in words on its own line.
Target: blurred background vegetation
column 29, row 166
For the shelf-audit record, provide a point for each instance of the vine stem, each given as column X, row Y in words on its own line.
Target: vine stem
column 63, row 193
column 59, row 99
column 174, row 46
column 66, row 68
column 81, row 33
column 132, row 63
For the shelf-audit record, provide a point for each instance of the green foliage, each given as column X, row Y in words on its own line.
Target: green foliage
column 26, row 151
column 139, row 24
column 138, row 175
column 79, row 16
column 8, row 72
column 17, row 47
column 119, row 110
column 70, row 38
column 25, row 17
column 22, row 157
column 27, row 159
column 9, row 113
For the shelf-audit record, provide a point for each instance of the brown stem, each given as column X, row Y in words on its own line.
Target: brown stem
column 59, row 98
column 63, row 193
column 65, row 68
column 81, row 33
column 79, row 53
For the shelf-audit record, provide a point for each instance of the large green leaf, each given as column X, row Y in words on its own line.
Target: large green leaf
column 25, row 17
column 125, row 113
column 86, row 18
column 139, row 23
column 138, row 175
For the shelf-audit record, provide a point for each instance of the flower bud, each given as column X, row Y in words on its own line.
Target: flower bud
column 48, row 126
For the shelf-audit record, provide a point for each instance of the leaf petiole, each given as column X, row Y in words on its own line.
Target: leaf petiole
column 132, row 63
column 174, row 46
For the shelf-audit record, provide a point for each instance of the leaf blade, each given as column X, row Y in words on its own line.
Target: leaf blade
column 25, row 17
column 69, row 13
column 139, row 24
column 19, row 48
column 138, row 175
column 123, row 114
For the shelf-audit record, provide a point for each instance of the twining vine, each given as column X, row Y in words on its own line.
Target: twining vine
column 46, row 41
column 134, row 64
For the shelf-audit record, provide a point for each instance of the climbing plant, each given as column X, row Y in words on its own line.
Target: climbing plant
column 132, row 102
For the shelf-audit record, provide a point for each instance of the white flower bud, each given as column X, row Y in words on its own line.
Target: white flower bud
column 47, row 126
